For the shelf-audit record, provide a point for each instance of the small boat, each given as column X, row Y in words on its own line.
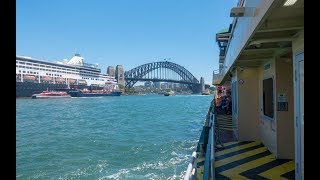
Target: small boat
column 51, row 94
column 169, row 93
column 94, row 93
column 206, row 92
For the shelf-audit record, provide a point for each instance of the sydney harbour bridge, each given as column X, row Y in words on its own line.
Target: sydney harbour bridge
column 163, row 71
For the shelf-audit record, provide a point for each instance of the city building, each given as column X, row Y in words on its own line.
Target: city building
column 111, row 71
column 119, row 74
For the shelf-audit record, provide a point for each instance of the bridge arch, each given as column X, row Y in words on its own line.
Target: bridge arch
column 136, row 74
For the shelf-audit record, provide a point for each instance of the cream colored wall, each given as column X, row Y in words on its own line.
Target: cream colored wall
column 248, row 104
column 234, row 114
column 267, row 126
column 285, row 119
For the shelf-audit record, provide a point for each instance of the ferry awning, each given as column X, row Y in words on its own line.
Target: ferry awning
column 256, row 41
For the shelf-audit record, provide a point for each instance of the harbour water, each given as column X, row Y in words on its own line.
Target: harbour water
column 126, row 137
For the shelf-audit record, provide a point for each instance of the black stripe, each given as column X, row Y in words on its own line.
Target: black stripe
column 253, row 173
column 201, row 163
column 238, row 152
column 224, row 123
column 289, row 175
column 234, row 145
column 242, row 161
column 221, row 177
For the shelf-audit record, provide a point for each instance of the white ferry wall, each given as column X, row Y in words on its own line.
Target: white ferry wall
column 248, row 65
column 298, row 49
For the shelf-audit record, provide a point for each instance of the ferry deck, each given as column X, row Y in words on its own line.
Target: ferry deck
column 261, row 62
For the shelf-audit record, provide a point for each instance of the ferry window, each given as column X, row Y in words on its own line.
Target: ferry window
column 24, row 71
column 28, row 63
column 268, row 97
column 41, row 65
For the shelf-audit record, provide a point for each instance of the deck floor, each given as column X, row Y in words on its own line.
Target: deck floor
column 248, row 159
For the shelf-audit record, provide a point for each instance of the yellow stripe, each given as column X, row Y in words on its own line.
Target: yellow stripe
column 225, row 128
column 233, row 173
column 239, row 156
column 227, row 123
column 237, row 148
column 200, row 159
column 200, row 172
column 276, row 172
column 228, row 127
column 224, row 124
column 230, row 143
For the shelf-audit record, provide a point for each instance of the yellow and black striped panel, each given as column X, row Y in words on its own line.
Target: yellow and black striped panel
column 251, row 160
column 200, row 167
column 224, row 122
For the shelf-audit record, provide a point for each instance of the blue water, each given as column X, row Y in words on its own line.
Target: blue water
column 126, row 137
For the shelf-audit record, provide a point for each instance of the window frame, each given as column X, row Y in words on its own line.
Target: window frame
column 273, row 98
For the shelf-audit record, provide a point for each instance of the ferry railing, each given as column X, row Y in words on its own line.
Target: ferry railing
column 208, row 140
column 191, row 171
column 209, row 172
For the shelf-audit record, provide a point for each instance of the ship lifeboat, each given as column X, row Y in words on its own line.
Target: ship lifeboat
column 81, row 81
column 60, row 79
column 31, row 77
column 72, row 81
column 46, row 78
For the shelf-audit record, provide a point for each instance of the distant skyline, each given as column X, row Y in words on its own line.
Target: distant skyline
column 126, row 32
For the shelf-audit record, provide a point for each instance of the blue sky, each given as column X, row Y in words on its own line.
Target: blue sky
column 127, row 32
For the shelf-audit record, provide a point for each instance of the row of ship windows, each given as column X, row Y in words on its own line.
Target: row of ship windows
column 87, row 74
column 45, row 69
column 92, row 78
column 53, row 67
column 53, row 74
column 48, row 74
column 29, row 72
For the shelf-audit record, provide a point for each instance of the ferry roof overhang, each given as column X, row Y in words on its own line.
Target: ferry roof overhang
column 255, row 42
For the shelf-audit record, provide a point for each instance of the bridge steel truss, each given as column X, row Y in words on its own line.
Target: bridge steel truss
column 137, row 74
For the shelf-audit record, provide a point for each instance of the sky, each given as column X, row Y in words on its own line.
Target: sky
column 126, row 32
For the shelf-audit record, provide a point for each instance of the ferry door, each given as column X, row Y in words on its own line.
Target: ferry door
column 299, row 115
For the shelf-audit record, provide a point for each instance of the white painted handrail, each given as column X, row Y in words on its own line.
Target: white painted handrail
column 191, row 166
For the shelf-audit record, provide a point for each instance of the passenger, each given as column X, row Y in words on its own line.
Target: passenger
column 229, row 103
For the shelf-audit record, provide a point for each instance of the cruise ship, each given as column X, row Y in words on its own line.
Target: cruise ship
column 34, row 76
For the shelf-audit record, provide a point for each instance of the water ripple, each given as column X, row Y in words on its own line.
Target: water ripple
column 126, row 137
